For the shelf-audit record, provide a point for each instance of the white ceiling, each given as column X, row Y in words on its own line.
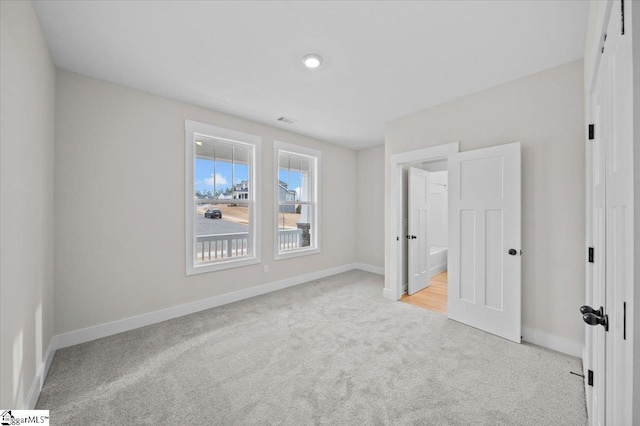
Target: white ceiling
column 382, row 60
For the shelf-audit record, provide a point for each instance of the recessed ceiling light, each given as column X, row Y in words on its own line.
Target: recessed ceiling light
column 312, row 61
column 199, row 143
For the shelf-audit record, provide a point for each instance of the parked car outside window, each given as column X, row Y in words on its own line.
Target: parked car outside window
column 213, row 214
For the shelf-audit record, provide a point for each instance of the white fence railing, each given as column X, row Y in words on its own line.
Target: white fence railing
column 289, row 238
column 223, row 246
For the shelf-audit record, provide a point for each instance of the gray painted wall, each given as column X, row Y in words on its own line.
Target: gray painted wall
column 114, row 260
column 370, row 214
column 543, row 111
column 27, row 84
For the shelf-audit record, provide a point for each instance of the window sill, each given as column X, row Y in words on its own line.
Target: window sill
column 213, row 267
column 296, row 253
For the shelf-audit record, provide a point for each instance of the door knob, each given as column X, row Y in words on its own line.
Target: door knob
column 593, row 319
column 589, row 310
column 413, row 237
column 513, row 252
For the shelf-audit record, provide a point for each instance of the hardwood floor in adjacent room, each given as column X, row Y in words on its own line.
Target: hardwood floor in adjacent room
column 433, row 297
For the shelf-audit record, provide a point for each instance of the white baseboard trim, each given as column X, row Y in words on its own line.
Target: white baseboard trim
column 64, row 340
column 437, row 269
column 38, row 381
column 108, row 329
column 369, row 268
column 550, row 341
column 388, row 294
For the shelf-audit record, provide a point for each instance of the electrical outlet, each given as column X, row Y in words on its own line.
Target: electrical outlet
column 266, row 268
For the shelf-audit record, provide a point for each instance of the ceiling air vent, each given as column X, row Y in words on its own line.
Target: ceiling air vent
column 286, row 120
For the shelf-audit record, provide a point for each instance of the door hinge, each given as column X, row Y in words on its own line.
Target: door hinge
column 592, row 131
column 622, row 17
column 590, row 377
column 624, row 320
column 590, row 254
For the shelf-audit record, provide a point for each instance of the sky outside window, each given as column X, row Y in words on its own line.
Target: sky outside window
column 204, row 174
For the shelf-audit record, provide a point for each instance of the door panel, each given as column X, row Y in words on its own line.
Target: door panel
column 494, row 264
column 610, row 352
column 467, row 256
column 419, row 251
column 484, row 224
column 481, row 178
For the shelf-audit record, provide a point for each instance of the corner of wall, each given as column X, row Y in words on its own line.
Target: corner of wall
column 370, row 207
column 28, row 105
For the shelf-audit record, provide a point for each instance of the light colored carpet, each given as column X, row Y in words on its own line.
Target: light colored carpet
column 331, row 351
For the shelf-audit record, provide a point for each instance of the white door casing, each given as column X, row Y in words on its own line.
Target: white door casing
column 419, row 252
column 484, row 225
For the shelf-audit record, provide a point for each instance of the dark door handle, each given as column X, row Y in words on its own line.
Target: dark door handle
column 413, row 237
column 593, row 319
column 513, row 252
column 589, row 310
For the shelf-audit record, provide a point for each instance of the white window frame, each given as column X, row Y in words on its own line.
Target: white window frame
column 192, row 129
column 316, row 155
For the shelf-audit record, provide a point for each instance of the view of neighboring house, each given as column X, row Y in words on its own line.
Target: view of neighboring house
column 240, row 191
column 286, row 195
column 225, row 195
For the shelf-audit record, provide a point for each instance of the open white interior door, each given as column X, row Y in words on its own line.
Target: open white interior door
column 419, row 262
column 609, row 340
column 485, row 239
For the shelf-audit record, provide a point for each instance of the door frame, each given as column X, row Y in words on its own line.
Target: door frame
column 393, row 279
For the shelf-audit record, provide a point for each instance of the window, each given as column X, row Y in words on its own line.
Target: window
column 222, row 203
column 297, row 190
